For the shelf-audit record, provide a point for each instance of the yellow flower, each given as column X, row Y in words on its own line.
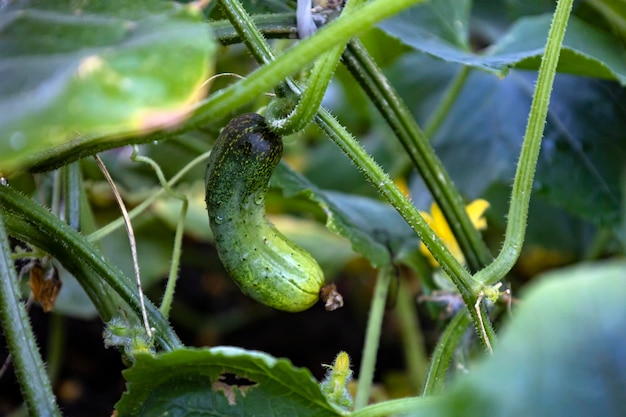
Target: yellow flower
column 438, row 223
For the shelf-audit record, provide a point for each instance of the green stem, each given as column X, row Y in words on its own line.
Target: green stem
column 311, row 98
column 522, row 185
column 447, row 101
column 621, row 230
column 443, row 353
column 386, row 187
column 319, row 78
column 372, row 336
column 273, row 26
column 168, row 296
column 416, row 406
column 107, row 287
column 247, row 30
column 222, row 102
column 29, row 367
column 57, row 186
column 395, row 111
column 412, row 339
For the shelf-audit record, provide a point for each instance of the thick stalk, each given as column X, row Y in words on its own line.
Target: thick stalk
column 29, row 367
column 247, row 30
column 268, row 76
column 395, row 111
column 319, row 78
column 73, row 186
column 386, row 187
column 274, row 25
column 522, row 185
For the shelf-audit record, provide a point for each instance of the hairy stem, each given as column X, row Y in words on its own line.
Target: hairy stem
column 522, row 186
column 319, row 78
column 29, row 367
column 268, row 76
column 386, row 187
column 415, row 142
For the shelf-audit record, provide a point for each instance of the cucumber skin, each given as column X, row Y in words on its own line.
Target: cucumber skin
column 262, row 261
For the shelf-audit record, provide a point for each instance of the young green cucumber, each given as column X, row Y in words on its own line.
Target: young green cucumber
column 260, row 259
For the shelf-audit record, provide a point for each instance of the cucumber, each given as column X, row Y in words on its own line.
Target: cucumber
column 265, row 264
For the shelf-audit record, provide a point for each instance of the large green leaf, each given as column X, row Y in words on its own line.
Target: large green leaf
column 112, row 68
column 587, row 50
column 224, row 381
column 561, row 355
column 440, row 29
column 584, row 147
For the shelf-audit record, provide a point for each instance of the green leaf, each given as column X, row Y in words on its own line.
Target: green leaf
column 583, row 149
column 561, row 355
column 443, row 24
column 374, row 228
column 434, row 29
column 220, row 381
column 107, row 68
column 587, row 50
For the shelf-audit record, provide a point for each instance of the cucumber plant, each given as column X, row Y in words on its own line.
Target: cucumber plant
column 95, row 105
column 263, row 262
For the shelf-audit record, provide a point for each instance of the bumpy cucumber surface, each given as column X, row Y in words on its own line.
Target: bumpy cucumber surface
column 262, row 261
